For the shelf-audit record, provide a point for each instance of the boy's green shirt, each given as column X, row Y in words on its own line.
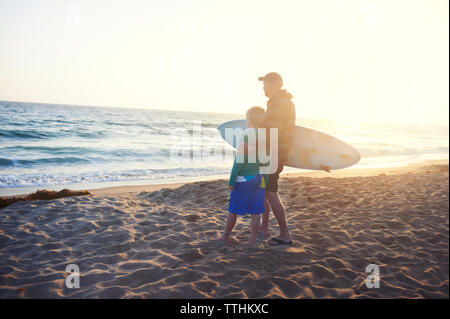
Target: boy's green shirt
column 245, row 168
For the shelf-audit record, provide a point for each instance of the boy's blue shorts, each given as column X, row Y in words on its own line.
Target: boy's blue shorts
column 247, row 197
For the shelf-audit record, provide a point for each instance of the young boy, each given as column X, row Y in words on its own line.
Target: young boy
column 246, row 183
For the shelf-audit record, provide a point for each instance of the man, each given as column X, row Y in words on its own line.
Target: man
column 280, row 114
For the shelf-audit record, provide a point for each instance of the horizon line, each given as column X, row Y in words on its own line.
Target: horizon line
column 208, row 112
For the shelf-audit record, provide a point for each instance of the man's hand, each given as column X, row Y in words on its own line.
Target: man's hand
column 231, row 187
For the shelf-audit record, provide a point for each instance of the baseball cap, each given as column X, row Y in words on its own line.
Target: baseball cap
column 271, row 77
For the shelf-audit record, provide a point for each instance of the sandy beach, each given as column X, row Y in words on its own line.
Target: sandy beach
column 157, row 241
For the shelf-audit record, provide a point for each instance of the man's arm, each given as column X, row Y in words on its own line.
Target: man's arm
column 275, row 116
column 281, row 116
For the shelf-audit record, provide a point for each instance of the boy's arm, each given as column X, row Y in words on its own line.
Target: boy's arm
column 242, row 154
column 235, row 172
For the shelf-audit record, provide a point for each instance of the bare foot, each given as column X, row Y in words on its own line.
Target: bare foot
column 276, row 241
column 250, row 245
column 265, row 233
column 229, row 240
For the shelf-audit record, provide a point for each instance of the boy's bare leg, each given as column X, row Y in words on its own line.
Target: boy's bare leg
column 264, row 229
column 255, row 227
column 231, row 221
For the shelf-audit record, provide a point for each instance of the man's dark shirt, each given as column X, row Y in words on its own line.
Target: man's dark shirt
column 280, row 114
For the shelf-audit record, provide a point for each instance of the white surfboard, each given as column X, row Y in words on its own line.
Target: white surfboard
column 311, row 149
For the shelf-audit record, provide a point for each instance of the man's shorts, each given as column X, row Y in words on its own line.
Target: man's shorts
column 272, row 184
column 247, row 197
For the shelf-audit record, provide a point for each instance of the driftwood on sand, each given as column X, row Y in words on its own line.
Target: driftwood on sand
column 41, row 195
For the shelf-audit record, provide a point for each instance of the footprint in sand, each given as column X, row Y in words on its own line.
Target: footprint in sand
column 310, row 200
column 192, row 218
column 191, row 256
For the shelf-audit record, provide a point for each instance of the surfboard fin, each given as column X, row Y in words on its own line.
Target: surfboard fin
column 325, row 168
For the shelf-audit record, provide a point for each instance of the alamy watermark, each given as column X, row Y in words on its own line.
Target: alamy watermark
column 373, row 279
column 188, row 147
column 73, row 279
column 72, row 16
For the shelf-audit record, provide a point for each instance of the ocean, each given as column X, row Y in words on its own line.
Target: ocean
column 55, row 146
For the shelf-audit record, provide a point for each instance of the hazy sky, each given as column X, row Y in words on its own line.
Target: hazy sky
column 342, row 60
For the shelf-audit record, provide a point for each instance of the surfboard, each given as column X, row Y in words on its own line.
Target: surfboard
column 311, row 149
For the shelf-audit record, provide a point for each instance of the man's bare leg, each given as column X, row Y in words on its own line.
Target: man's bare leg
column 280, row 214
column 264, row 229
column 254, row 232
